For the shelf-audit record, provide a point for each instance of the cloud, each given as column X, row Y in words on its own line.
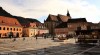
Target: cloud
column 11, row 8
column 41, row 8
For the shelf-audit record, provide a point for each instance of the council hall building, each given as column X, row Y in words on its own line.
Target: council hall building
column 52, row 21
column 65, row 24
column 10, row 26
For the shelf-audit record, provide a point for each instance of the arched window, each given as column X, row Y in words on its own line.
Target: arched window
column 17, row 29
column 14, row 29
column 10, row 28
column 7, row 28
column 3, row 28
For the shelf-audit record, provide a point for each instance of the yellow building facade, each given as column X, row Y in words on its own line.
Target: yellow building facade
column 10, row 25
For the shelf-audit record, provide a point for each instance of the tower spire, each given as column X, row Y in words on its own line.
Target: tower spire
column 68, row 14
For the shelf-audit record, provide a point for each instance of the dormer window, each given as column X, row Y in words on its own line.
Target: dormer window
column 15, row 23
column 2, row 21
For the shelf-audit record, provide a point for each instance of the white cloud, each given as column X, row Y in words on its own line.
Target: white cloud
column 39, row 8
column 8, row 6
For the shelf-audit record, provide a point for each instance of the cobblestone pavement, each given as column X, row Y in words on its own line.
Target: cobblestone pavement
column 20, row 44
column 31, row 46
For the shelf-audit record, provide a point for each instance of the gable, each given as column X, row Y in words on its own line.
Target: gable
column 52, row 18
column 63, row 18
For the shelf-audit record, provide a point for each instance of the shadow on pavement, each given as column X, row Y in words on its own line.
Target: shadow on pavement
column 63, row 49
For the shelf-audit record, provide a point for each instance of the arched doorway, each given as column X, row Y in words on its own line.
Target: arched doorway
column 17, row 34
column 10, row 34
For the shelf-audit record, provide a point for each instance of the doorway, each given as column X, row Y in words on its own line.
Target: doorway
column 0, row 34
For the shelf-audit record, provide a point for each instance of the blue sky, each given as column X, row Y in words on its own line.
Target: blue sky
column 95, row 2
column 40, row 9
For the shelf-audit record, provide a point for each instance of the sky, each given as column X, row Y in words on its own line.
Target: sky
column 40, row 9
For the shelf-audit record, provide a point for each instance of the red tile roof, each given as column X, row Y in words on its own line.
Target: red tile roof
column 9, row 21
column 59, row 17
column 52, row 18
column 63, row 18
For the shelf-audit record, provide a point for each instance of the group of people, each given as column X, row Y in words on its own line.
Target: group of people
column 11, row 35
column 64, row 36
column 43, row 35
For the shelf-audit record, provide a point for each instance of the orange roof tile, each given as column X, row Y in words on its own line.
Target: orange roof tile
column 9, row 21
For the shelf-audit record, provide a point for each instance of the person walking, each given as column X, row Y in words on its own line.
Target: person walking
column 44, row 36
column 36, row 37
column 14, row 39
